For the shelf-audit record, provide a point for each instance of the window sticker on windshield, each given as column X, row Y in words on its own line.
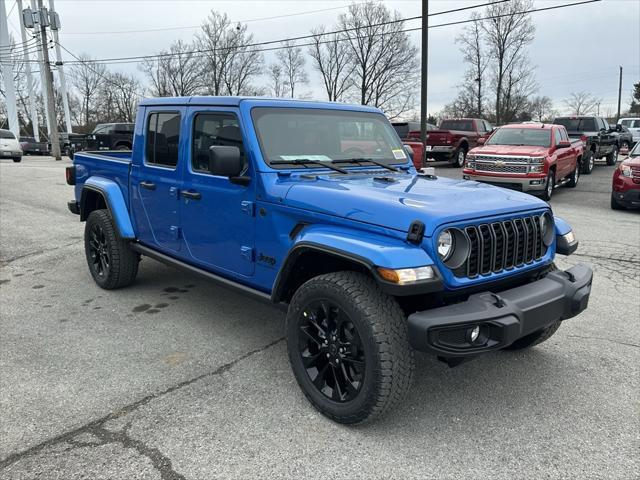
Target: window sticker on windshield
column 398, row 154
column 316, row 158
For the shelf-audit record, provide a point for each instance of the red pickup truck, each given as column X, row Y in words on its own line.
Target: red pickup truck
column 533, row 158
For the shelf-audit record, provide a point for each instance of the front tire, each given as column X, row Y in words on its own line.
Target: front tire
column 460, row 157
column 111, row 262
column 348, row 347
column 612, row 157
column 549, row 186
column 17, row 159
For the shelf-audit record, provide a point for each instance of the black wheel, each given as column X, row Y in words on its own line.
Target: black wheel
column 348, row 347
column 574, row 177
column 17, row 159
column 615, row 205
column 535, row 338
column 588, row 162
column 612, row 157
column 549, row 186
column 123, row 147
column 111, row 262
column 459, row 158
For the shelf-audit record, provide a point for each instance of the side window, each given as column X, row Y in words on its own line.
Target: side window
column 487, row 126
column 211, row 129
column 563, row 134
column 558, row 136
column 163, row 138
column 603, row 124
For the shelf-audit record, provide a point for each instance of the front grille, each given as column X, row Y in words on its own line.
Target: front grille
column 498, row 164
column 635, row 173
column 499, row 246
column 506, row 168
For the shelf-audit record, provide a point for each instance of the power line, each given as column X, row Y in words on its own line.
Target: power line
column 204, row 52
column 292, row 39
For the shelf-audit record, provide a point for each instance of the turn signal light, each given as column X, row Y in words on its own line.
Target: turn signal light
column 406, row 275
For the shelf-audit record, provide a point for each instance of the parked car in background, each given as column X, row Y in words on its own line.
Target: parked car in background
column 623, row 135
column 534, row 158
column 30, row 146
column 633, row 124
column 9, row 146
column 598, row 139
column 110, row 136
column 626, row 182
column 455, row 137
column 71, row 143
column 409, row 133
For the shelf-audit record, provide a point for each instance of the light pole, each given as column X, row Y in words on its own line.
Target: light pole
column 424, row 74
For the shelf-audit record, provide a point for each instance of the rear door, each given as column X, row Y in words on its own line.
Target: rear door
column 563, row 155
column 217, row 216
column 156, row 179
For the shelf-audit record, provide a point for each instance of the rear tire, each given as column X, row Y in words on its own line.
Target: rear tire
column 535, row 338
column 348, row 347
column 588, row 162
column 111, row 262
column 612, row 157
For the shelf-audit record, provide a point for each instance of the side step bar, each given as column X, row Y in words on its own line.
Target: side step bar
column 161, row 257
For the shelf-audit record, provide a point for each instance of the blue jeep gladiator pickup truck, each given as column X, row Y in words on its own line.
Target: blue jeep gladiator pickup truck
column 317, row 208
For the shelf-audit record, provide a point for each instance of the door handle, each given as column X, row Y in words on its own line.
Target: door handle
column 148, row 185
column 191, row 194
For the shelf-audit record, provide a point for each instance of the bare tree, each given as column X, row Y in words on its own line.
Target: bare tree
column 277, row 82
column 508, row 31
column 333, row 60
column 581, row 103
column 472, row 48
column 519, row 84
column 385, row 61
column 87, row 77
column 292, row 60
column 230, row 62
column 541, row 108
column 176, row 73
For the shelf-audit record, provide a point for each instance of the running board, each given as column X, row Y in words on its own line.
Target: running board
column 563, row 181
column 161, row 257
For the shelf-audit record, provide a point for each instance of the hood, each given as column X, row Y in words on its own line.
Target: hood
column 395, row 204
column 523, row 150
column 633, row 161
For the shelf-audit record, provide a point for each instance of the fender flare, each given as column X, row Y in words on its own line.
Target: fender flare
column 116, row 204
column 367, row 250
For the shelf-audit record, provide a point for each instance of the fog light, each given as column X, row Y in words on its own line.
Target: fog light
column 473, row 334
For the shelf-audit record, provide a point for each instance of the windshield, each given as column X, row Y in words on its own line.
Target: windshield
column 290, row 135
column 464, row 125
column 636, row 151
column 577, row 124
column 6, row 134
column 535, row 137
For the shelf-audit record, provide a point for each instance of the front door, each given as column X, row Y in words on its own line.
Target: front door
column 156, row 181
column 217, row 215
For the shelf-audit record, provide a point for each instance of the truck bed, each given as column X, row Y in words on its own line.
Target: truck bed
column 113, row 165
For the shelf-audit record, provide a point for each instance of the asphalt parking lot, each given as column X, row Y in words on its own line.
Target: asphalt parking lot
column 175, row 378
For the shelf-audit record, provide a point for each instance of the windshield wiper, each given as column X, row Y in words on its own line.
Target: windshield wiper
column 306, row 161
column 370, row 160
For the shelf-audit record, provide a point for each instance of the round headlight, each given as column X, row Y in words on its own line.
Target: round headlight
column 548, row 228
column 445, row 245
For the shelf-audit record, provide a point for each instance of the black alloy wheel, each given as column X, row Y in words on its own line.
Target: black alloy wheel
column 99, row 251
column 331, row 350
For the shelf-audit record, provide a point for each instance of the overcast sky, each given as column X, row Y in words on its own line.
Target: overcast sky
column 576, row 48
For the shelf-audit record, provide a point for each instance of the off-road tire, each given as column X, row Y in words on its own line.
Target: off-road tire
column 382, row 327
column 612, row 157
column 588, row 162
column 123, row 262
column 17, row 159
column 615, row 205
column 574, row 177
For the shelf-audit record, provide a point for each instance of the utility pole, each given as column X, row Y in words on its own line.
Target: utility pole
column 424, row 74
column 619, row 93
column 53, row 128
column 55, row 26
column 33, row 112
column 43, row 82
column 6, row 59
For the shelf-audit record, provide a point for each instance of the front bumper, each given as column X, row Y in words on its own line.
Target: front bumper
column 629, row 198
column 503, row 318
column 522, row 183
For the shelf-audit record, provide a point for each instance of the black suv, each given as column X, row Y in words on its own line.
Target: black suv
column 598, row 138
column 110, row 136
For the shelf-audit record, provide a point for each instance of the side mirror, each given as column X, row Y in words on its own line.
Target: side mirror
column 618, row 127
column 225, row 161
column 564, row 144
column 481, row 140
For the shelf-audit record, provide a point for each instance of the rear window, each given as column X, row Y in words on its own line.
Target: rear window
column 577, row 124
column 535, row 137
column 7, row 134
column 464, row 125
